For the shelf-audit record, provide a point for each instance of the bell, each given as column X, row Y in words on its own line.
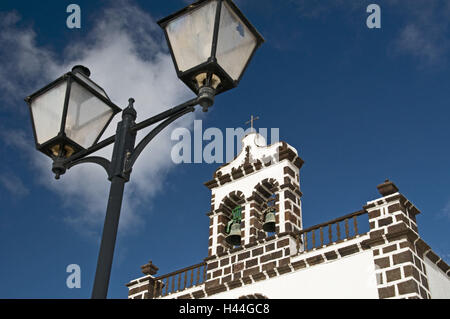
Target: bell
column 234, row 237
column 269, row 223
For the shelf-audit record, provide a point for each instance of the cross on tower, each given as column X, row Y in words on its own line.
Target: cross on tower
column 252, row 119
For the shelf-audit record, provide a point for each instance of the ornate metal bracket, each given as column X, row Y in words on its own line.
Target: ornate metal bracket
column 103, row 162
column 150, row 136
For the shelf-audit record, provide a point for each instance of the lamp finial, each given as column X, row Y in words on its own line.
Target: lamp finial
column 81, row 69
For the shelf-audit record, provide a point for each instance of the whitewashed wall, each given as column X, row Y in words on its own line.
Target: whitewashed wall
column 438, row 282
column 349, row 277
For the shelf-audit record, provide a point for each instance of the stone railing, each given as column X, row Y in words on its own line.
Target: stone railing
column 334, row 231
column 179, row 280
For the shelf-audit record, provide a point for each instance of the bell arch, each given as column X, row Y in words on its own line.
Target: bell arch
column 220, row 220
column 265, row 194
column 229, row 202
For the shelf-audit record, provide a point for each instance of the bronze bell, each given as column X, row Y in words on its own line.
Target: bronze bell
column 234, row 237
column 269, row 222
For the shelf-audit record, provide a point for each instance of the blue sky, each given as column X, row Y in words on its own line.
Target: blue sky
column 359, row 105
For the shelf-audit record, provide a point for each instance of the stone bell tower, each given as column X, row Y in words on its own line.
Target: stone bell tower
column 258, row 175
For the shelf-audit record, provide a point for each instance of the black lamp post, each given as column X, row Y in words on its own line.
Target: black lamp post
column 211, row 43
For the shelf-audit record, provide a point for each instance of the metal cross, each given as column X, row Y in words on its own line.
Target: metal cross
column 252, row 119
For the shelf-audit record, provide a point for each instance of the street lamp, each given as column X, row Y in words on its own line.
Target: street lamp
column 211, row 43
column 70, row 114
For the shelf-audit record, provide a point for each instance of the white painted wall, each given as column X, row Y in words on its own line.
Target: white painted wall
column 349, row 277
column 438, row 282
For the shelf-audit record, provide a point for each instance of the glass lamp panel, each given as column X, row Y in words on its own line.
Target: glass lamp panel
column 91, row 84
column 87, row 115
column 191, row 35
column 47, row 110
column 235, row 43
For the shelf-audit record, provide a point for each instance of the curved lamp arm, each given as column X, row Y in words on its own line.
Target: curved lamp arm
column 150, row 136
column 103, row 162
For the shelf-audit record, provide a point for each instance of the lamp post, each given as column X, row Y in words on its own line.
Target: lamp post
column 211, row 43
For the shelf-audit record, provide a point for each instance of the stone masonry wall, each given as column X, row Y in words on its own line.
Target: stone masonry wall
column 252, row 261
column 399, row 261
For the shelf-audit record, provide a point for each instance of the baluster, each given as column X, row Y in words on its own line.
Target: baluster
column 179, row 282
column 338, row 231
column 204, row 273
column 173, row 284
column 198, row 276
column 306, row 241
column 355, row 224
column 330, row 233
column 155, row 285
column 321, row 236
column 185, row 279
column 167, row 286
column 313, row 238
column 346, row 228
column 192, row 278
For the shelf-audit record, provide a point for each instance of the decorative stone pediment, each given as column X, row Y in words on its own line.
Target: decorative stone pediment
column 254, row 150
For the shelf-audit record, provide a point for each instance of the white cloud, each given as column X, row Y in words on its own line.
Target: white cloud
column 446, row 211
column 422, row 43
column 424, row 34
column 126, row 56
column 13, row 184
column 23, row 63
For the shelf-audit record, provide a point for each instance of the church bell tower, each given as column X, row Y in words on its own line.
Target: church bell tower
column 255, row 196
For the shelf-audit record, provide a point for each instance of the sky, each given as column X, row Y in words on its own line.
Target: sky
column 360, row 105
